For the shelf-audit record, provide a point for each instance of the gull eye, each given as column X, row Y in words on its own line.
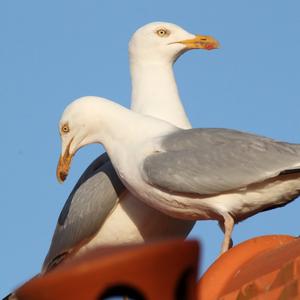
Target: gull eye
column 162, row 32
column 65, row 128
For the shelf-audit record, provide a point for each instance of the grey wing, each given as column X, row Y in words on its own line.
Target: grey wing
column 212, row 160
column 92, row 199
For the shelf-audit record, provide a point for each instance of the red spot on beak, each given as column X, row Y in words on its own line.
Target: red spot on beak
column 209, row 47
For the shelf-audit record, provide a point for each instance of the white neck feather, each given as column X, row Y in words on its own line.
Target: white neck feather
column 155, row 93
column 119, row 128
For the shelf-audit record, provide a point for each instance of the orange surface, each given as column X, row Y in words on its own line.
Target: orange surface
column 266, row 267
column 263, row 268
column 164, row 270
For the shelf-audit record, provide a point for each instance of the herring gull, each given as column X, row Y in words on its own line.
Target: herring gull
column 99, row 210
column 193, row 174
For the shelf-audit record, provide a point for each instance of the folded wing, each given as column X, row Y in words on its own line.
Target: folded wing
column 211, row 161
column 91, row 201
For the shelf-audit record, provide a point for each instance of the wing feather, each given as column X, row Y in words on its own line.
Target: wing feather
column 92, row 199
column 211, row 161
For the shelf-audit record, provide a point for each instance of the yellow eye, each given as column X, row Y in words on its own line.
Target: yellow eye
column 65, row 128
column 162, row 32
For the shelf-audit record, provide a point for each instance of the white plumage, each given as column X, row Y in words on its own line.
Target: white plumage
column 99, row 211
column 194, row 174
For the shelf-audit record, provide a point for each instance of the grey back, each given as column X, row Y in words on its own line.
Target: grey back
column 92, row 199
column 211, row 161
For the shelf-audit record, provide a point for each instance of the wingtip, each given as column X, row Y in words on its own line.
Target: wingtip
column 10, row 296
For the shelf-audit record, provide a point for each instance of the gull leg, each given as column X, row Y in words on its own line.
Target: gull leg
column 227, row 228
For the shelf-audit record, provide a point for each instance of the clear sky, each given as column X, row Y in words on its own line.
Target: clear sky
column 52, row 52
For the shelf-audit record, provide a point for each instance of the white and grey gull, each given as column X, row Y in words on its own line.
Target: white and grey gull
column 99, row 210
column 193, row 174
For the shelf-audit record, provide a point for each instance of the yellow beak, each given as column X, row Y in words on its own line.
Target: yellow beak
column 201, row 42
column 64, row 164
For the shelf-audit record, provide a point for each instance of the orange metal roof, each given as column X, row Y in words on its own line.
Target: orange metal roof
column 163, row 270
column 266, row 267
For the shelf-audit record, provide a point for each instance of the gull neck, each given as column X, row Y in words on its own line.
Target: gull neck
column 155, row 93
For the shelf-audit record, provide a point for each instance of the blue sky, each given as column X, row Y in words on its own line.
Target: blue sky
column 55, row 51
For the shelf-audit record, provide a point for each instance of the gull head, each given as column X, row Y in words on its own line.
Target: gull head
column 78, row 126
column 166, row 41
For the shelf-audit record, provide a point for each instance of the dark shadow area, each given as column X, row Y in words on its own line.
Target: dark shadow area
column 182, row 290
column 122, row 291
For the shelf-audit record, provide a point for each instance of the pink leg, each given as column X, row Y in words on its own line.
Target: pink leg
column 227, row 228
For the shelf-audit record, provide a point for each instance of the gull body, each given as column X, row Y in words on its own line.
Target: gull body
column 99, row 210
column 195, row 174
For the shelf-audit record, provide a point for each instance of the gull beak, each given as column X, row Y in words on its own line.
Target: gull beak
column 64, row 164
column 201, row 42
